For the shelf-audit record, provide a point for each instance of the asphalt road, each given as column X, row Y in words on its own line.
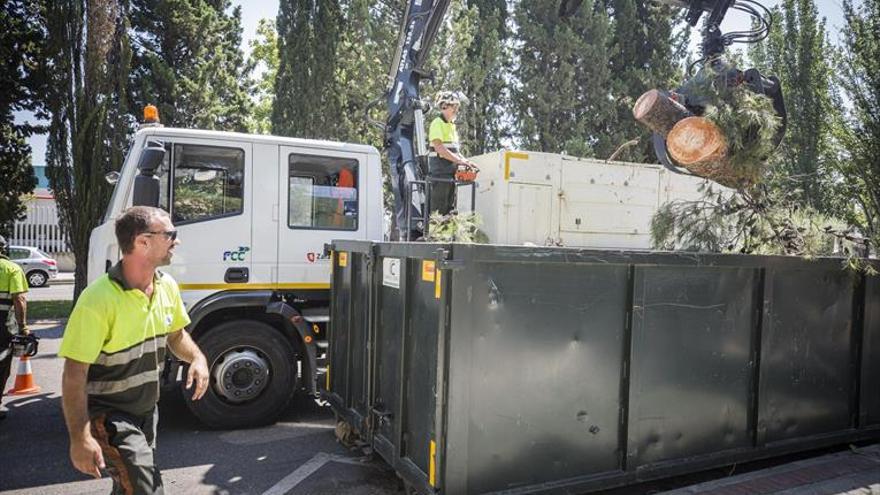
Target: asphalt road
column 54, row 292
column 298, row 455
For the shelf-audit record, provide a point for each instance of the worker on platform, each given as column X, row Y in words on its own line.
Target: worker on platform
column 444, row 157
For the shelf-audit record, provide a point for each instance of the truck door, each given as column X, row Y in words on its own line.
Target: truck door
column 322, row 198
column 204, row 186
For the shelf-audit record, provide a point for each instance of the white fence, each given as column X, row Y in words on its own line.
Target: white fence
column 40, row 229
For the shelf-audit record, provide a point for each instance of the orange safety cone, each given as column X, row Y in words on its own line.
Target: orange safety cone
column 24, row 380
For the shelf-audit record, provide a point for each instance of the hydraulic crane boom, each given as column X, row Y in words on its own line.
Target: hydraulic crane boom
column 404, row 127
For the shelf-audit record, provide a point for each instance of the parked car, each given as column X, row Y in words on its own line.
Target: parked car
column 38, row 266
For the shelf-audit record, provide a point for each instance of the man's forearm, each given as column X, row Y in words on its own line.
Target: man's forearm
column 184, row 347
column 19, row 301
column 74, row 400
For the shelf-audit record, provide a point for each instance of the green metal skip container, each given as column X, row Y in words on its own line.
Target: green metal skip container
column 505, row 369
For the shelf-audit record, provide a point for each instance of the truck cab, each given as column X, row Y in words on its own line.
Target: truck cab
column 253, row 214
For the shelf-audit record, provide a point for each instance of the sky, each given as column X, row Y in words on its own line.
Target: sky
column 254, row 10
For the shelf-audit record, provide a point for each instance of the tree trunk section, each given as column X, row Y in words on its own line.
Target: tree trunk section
column 698, row 145
column 658, row 112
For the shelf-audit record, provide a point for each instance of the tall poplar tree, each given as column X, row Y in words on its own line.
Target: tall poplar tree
column 860, row 78
column 798, row 52
column 308, row 102
column 561, row 94
column 86, row 64
column 188, row 62
column 264, row 57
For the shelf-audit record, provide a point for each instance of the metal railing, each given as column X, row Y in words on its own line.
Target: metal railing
column 41, row 229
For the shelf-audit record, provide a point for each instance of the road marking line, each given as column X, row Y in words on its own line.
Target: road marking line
column 290, row 481
column 293, row 479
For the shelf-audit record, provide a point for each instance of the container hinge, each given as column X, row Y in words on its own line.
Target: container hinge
column 452, row 264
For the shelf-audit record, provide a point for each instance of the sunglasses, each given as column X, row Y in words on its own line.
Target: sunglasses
column 170, row 234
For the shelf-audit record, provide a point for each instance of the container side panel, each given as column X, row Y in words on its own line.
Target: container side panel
column 689, row 392
column 359, row 332
column 339, row 350
column 535, row 367
column 805, row 354
column 388, row 352
column 529, row 213
column 870, row 398
column 420, row 372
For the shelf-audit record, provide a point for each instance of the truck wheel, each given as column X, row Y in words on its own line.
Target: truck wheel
column 253, row 375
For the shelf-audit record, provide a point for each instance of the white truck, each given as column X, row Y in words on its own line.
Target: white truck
column 254, row 212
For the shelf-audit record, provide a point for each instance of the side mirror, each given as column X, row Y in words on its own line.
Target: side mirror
column 151, row 157
column 146, row 184
column 112, row 177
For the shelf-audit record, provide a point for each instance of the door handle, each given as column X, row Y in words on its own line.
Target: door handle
column 236, row 275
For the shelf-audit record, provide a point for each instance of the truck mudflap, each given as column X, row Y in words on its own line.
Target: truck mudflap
column 296, row 322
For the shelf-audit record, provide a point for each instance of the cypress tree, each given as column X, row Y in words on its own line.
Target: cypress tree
column 561, row 95
column 484, row 68
column 21, row 46
column 366, row 46
column 308, row 102
column 86, row 66
column 188, row 62
column 644, row 51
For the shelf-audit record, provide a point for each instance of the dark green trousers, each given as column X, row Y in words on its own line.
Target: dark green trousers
column 129, row 446
column 442, row 193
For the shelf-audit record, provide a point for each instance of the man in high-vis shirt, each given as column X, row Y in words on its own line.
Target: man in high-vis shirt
column 114, row 345
column 13, row 291
column 445, row 156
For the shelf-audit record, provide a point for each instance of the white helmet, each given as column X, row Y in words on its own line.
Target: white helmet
column 447, row 98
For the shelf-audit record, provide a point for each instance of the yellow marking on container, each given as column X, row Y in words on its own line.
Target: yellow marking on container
column 438, row 287
column 223, row 286
column 512, row 155
column 432, row 466
column 327, row 379
column 343, row 258
column 428, row 270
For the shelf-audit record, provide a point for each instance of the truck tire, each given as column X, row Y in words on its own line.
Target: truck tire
column 253, row 375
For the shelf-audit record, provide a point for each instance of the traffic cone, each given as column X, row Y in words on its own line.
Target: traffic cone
column 24, row 380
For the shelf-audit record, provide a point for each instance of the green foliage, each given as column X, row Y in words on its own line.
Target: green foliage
column 561, row 95
column 798, row 52
column 264, row 58
column 758, row 220
column 456, row 227
column 472, row 55
column 188, row 62
column 859, row 166
column 21, row 46
column 645, row 52
column 18, row 175
column 48, row 310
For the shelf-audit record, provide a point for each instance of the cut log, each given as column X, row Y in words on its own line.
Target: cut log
column 698, row 145
column 696, row 141
column 658, row 112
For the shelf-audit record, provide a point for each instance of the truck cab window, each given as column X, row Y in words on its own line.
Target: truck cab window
column 322, row 193
column 208, row 182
